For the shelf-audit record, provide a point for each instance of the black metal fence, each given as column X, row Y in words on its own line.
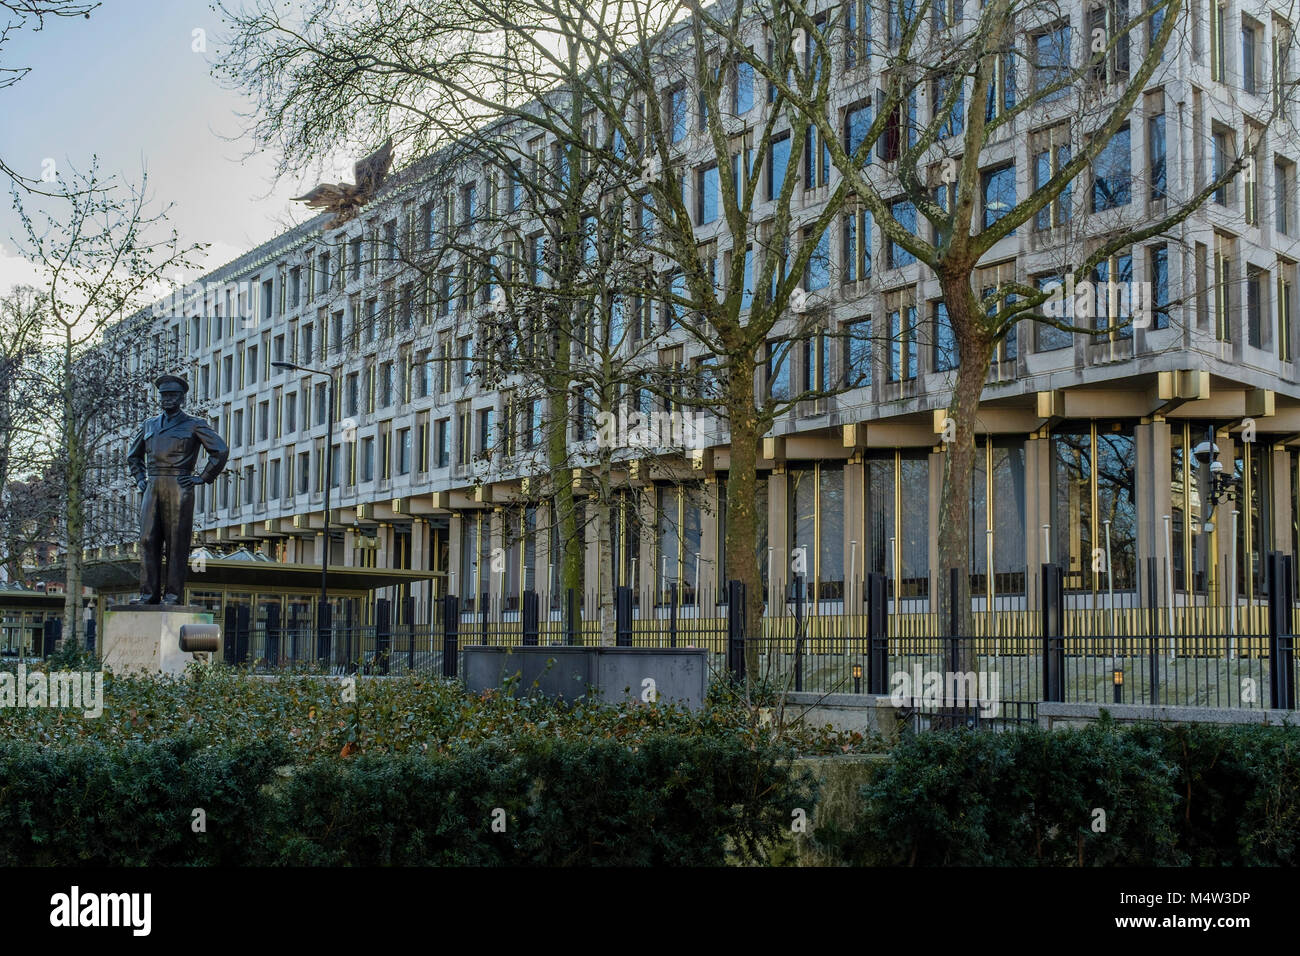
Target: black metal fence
column 995, row 663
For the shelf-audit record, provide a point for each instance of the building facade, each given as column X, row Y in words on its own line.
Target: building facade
column 1085, row 442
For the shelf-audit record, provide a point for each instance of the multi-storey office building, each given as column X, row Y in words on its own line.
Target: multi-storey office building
column 1085, row 441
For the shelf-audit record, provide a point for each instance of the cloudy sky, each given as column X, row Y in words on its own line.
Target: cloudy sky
column 127, row 85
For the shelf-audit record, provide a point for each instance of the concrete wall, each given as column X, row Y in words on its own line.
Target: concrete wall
column 678, row 675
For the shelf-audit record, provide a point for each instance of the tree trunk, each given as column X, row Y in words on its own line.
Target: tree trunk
column 73, row 517
column 975, row 350
column 605, row 566
column 741, row 546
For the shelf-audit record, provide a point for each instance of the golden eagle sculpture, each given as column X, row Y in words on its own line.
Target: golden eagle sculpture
column 344, row 199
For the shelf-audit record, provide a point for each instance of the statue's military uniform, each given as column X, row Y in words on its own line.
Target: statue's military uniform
column 166, row 448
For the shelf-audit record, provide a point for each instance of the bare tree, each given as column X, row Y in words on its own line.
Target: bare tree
column 17, row 15
column 102, row 261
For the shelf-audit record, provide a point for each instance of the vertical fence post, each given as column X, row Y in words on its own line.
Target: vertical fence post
column 450, row 634
column 798, row 632
column 483, row 608
column 409, row 614
column 623, row 617
column 383, row 634
column 571, row 616
column 1281, row 640
column 241, row 633
column 736, row 629
column 324, row 632
column 229, row 637
column 877, row 639
column 529, row 613
column 672, row 615
column 1153, row 640
column 1053, row 630
column 273, row 634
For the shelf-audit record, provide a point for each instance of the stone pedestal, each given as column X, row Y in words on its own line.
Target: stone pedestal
column 146, row 638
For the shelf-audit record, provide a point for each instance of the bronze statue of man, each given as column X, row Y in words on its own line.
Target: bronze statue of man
column 162, row 459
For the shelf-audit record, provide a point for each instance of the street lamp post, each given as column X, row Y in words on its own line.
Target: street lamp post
column 322, row 624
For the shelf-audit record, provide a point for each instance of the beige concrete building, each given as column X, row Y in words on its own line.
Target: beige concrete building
column 1077, row 434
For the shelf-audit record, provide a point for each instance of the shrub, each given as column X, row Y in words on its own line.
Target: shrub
column 1171, row 794
column 132, row 805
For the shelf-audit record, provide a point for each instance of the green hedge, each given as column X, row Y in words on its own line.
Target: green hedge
column 666, row 800
column 1172, row 795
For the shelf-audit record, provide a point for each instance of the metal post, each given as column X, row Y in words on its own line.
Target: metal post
column 1169, row 582
column 1053, row 621
column 571, row 616
column 623, row 617
column 1232, row 586
column 736, row 628
column 273, row 634
column 877, row 641
column 324, row 633
column 529, row 613
column 383, row 633
column 1281, row 638
column 450, row 634
column 672, row 615
column 484, row 605
column 798, row 631
column 410, row 633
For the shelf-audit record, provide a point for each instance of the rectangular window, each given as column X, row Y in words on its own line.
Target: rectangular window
column 857, row 123
column 676, row 120
column 998, row 187
column 1111, row 173
column 1249, row 80
column 1254, row 308
column 442, row 449
column 857, row 354
column 904, row 213
column 1113, row 278
column 1283, row 197
column 1052, row 63
column 1156, row 171
column 778, row 370
column 946, row 355
column 778, row 158
column 707, row 193
column 1048, row 161
column 818, row 272
column 1222, row 160
column 1283, row 315
column 743, row 101
column 1160, row 287
column 1218, row 40
column 902, row 343
column 404, row 451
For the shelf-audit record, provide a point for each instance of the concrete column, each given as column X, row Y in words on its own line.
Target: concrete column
column 1153, row 491
column 710, row 545
column 591, row 569
column 1224, row 543
column 493, row 581
column 935, row 492
column 454, row 536
column 1283, row 537
column 645, row 570
column 778, row 532
column 422, row 591
column 1038, row 509
column 855, row 532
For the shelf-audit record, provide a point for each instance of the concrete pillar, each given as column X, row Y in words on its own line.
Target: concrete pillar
column 778, row 533
column 591, row 569
column 710, row 543
column 855, row 532
column 422, row 591
column 645, row 571
column 1282, row 502
column 454, row 537
column 935, row 492
column 493, row 580
column 1038, row 509
column 1224, row 543
column 1153, row 489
